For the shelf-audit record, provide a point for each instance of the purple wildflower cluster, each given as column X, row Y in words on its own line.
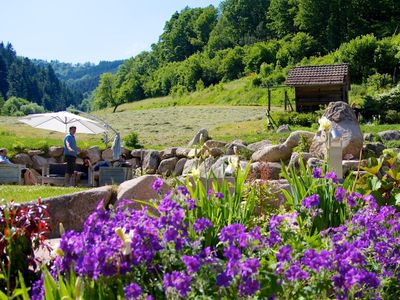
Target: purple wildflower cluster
column 363, row 254
column 237, row 239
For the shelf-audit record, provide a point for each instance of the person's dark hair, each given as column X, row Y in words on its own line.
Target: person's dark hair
column 72, row 127
column 123, row 155
column 86, row 157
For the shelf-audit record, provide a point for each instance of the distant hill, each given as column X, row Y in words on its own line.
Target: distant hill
column 81, row 78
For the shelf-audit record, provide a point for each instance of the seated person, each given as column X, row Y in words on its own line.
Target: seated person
column 29, row 176
column 96, row 169
column 82, row 171
column 121, row 162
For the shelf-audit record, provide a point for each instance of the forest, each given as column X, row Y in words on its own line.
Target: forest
column 200, row 47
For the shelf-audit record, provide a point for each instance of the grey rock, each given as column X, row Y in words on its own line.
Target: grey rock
column 179, row 166
column 140, row 188
column 372, row 150
column 216, row 152
column 107, row 154
column 389, row 135
column 314, row 162
column 182, row 152
column 23, row 159
column 283, row 128
column 259, row 145
column 168, row 153
column 214, row 144
column 167, row 166
column 344, row 120
column 238, row 148
column 94, row 154
column 73, row 209
column 368, row 137
column 273, row 153
column 294, row 138
column 151, row 161
column 35, row 152
column 199, row 138
column 56, row 151
column 138, row 153
column 352, row 165
column 38, row 162
column 295, row 159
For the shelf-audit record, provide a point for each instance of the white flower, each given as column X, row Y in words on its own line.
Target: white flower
column 324, row 124
column 126, row 239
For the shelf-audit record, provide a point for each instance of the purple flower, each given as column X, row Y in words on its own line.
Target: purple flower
column 132, row 291
column 250, row 267
column 317, row 173
column 232, row 253
column 219, row 195
column 201, row 224
column 231, row 232
column 311, row 201
column 248, row 287
column 210, row 192
column 296, row 273
column 191, row 204
column 284, row 253
column 192, row 263
column 332, row 175
column 183, row 190
column 224, row 280
column 340, row 194
column 179, row 281
column 157, row 185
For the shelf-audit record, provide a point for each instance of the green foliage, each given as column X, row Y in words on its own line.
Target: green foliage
column 388, row 102
column 132, row 140
column 303, row 183
column 382, row 178
column 19, row 107
column 236, row 205
column 295, row 118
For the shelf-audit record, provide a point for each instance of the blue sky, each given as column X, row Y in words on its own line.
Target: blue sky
column 78, row 31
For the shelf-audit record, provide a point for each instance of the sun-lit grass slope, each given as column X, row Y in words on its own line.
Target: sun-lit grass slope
column 237, row 92
column 26, row 193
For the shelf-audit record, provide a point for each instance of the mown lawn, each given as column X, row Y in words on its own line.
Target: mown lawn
column 24, row 193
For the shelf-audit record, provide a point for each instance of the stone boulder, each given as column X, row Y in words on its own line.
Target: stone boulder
column 140, row 188
column 168, row 153
column 283, row 128
column 352, row 165
column 199, row 138
column 167, row 166
column 294, row 138
column 151, row 161
column 372, row 150
column 344, row 120
column 38, row 162
column 314, row 162
column 273, row 153
column 73, row 209
column 295, row 159
column 35, row 152
column 369, row 137
column 265, row 170
column 182, row 152
column 138, row 153
column 259, row 145
column 23, row 159
column 215, row 152
column 214, row 144
column 237, row 147
column 107, row 154
column 56, row 151
column 389, row 135
column 94, row 154
column 179, row 166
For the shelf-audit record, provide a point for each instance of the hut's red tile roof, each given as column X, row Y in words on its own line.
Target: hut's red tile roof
column 318, row 75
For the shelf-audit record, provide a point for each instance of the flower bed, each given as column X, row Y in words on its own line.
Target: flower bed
column 333, row 241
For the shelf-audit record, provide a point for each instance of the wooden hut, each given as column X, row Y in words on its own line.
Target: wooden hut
column 319, row 85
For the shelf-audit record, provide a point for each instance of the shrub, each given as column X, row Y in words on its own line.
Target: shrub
column 132, row 141
column 295, row 118
column 22, row 230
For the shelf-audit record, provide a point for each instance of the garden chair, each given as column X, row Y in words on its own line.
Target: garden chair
column 54, row 174
column 11, row 173
column 114, row 175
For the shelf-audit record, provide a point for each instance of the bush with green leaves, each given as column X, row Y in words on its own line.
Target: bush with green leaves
column 375, row 105
column 19, row 107
column 295, row 118
column 132, row 141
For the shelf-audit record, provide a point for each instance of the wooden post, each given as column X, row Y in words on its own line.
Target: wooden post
column 270, row 125
column 285, row 100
